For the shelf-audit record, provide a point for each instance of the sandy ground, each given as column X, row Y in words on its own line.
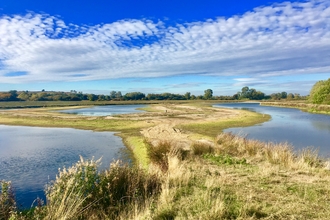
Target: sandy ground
column 166, row 118
column 163, row 120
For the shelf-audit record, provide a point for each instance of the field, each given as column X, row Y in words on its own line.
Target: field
column 185, row 169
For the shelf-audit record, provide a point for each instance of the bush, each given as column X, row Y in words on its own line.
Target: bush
column 320, row 93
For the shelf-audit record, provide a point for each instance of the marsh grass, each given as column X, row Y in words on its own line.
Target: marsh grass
column 200, row 148
column 7, row 200
column 231, row 178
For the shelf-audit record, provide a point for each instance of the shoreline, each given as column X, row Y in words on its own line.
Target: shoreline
column 159, row 122
column 219, row 177
column 307, row 107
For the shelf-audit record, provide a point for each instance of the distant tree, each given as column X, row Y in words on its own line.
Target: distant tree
column 91, row 97
column 297, row 96
column 187, row 95
column 24, row 96
column 134, row 96
column 100, row 98
column 276, row 96
column 284, row 95
column 236, row 96
column 208, row 94
column 320, row 92
column 13, row 95
column 200, row 97
column 119, row 95
column 5, row 96
column 244, row 92
column 113, row 94
column 290, row 96
column 249, row 93
column 193, row 97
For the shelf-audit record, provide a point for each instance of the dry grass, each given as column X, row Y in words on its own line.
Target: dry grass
column 235, row 178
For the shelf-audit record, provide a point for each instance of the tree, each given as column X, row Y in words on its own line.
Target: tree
column 113, row 94
column 208, row 94
column 134, row 96
column 320, row 92
column 92, row 97
column 119, row 95
column 290, row 96
column 187, row 95
column 24, row 96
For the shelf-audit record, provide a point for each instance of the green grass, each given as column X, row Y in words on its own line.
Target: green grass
column 211, row 129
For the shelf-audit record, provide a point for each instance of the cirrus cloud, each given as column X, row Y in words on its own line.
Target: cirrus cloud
column 282, row 39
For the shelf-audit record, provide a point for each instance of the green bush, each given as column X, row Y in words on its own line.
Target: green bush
column 320, row 93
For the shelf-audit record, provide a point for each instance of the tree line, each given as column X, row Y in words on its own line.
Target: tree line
column 246, row 93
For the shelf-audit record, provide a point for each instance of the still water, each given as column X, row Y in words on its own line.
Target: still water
column 30, row 156
column 289, row 125
column 105, row 110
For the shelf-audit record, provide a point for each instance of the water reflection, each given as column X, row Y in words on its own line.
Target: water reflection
column 321, row 125
column 30, row 156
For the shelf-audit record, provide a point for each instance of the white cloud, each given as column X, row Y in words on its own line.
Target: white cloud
column 282, row 39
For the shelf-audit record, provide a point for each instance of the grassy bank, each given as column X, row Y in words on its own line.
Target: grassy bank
column 234, row 178
column 211, row 129
column 229, row 177
column 308, row 107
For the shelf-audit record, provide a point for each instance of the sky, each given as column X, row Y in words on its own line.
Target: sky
column 156, row 46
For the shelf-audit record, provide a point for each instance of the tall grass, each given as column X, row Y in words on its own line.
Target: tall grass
column 7, row 200
column 280, row 154
column 231, row 178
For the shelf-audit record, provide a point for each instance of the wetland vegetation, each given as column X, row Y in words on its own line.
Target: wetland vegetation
column 185, row 169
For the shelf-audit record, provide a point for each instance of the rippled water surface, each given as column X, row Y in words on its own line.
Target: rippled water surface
column 30, row 156
column 290, row 125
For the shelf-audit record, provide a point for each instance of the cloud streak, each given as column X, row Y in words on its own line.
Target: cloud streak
column 281, row 39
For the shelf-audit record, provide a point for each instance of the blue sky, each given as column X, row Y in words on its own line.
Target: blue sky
column 156, row 46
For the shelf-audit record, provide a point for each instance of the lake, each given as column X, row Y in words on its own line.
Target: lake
column 30, row 156
column 105, row 110
column 301, row 129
